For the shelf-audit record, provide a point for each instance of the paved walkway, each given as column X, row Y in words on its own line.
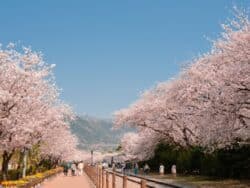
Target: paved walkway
column 62, row 181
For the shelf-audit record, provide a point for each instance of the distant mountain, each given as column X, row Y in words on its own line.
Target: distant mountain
column 97, row 134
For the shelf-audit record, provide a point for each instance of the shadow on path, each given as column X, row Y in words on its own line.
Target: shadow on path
column 62, row 181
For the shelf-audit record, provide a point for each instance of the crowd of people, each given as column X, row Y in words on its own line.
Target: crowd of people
column 76, row 168
column 73, row 168
column 129, row 167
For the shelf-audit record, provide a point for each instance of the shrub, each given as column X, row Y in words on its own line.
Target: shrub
column 32, row 179
column 232, row 162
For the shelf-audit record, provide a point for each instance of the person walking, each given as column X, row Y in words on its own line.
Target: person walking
column 80, row 168
column 73, row 169
column 123, row 167
column 146, row 168
column 136, row 169
column 65, row 169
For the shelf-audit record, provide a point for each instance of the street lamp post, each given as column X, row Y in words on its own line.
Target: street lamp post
column 92, row 162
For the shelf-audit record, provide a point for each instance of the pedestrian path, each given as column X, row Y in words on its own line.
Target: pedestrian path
column 62, row 181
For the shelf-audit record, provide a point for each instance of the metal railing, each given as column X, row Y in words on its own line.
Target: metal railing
column 104, row 178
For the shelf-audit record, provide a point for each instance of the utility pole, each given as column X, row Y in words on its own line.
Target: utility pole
column 92, row 161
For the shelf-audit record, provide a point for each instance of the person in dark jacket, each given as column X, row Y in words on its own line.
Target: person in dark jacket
column 65, row 169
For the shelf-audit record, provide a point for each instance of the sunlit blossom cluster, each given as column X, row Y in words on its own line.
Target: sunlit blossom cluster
column 207, row 105
column 30, row 110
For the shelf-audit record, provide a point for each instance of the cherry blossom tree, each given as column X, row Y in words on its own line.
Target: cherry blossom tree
column 136, row 146
column 221, row 91
column 59, row 144
column 30, row 109
column 208, row 103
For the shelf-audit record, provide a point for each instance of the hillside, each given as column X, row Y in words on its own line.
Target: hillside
column 97, row 134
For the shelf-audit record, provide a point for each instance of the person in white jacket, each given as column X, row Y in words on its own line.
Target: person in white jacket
column 80, row 168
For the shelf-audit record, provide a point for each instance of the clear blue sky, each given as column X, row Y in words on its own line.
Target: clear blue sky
column 106, row 51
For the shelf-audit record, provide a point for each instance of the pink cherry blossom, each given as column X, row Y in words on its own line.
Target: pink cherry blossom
column 207, row 105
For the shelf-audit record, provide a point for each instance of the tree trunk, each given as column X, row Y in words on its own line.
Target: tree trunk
column 25, row 156
column 20, row 164
column 6, row 159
